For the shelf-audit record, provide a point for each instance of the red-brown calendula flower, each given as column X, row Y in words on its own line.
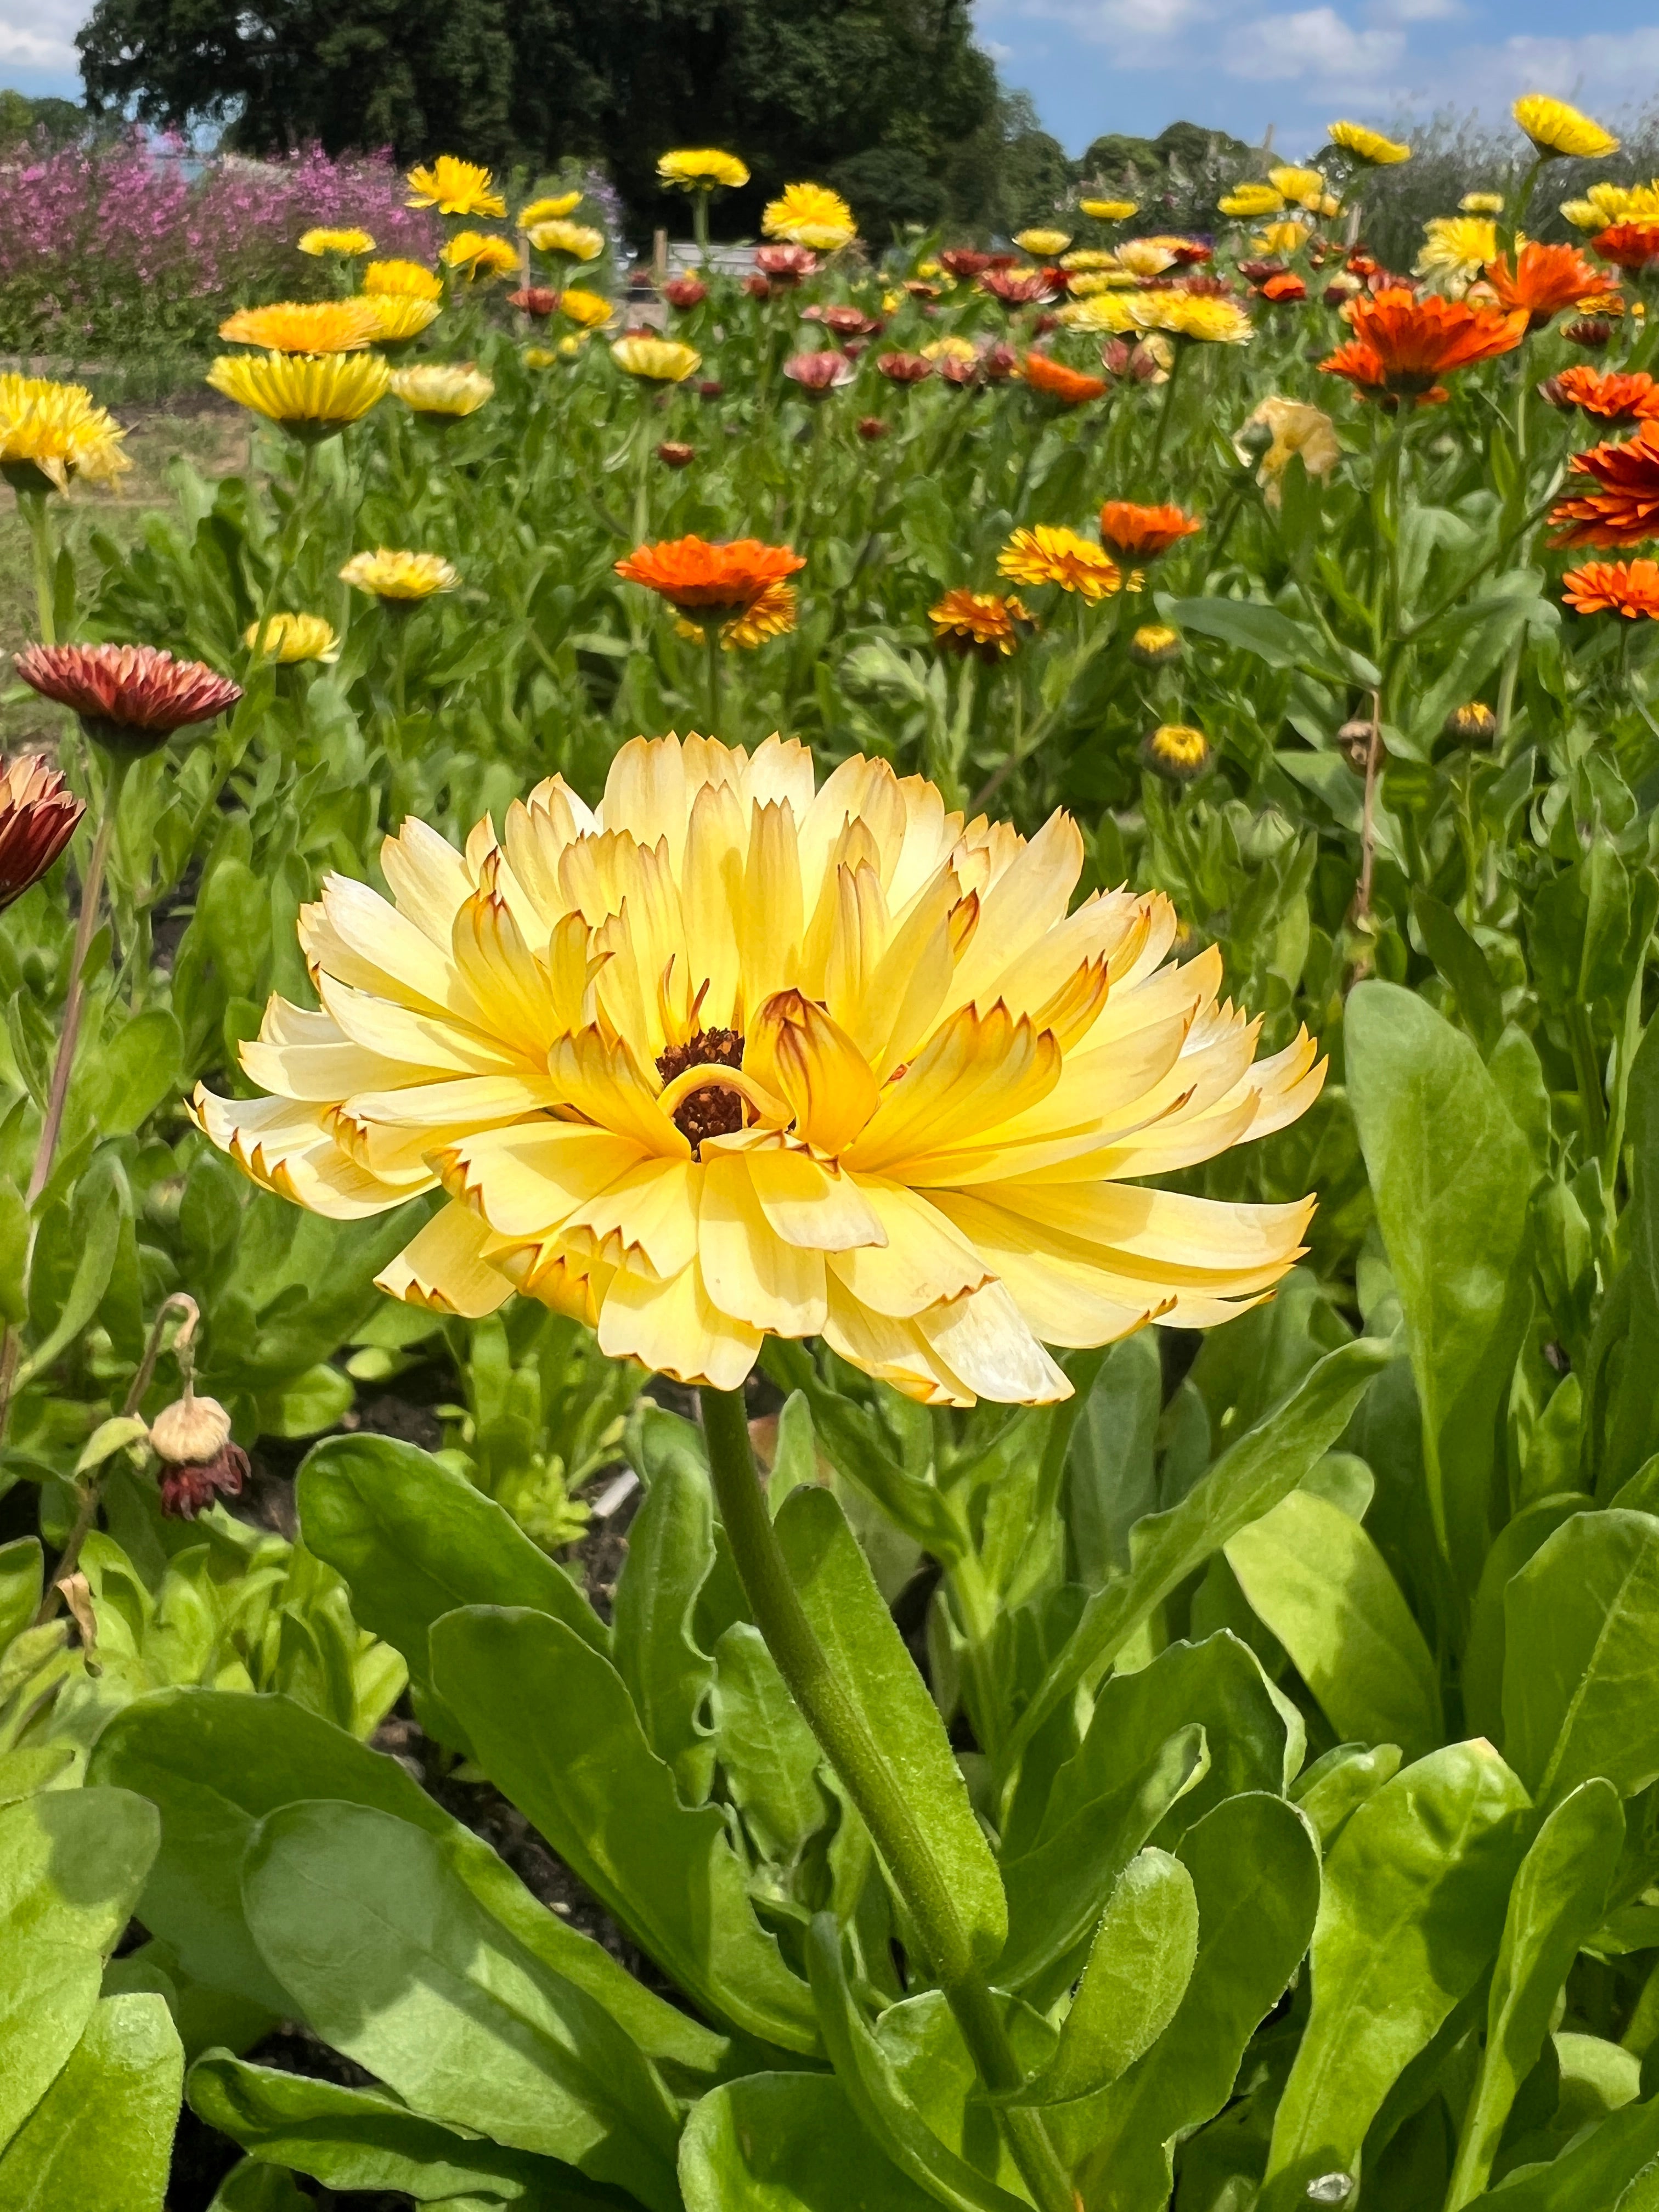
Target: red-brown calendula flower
column 984, row 623
column 1403, row 345
column 38, row 815
column 1613, row 587
column 1020, row 287
column 786, row 264
column 1143, row 532
column 819, row 372
column 1624, row 508
column 129, row 697
column 690, row 572
column 1070, row 386
column 904, row 367
column 1610, row 395
column 1544, row 280
column 685, row 291
column 537, row 299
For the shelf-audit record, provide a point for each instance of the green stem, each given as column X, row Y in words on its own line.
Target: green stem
column 1164, row 413
column 34, row 504
column 845, row 1738
column 711, row 640
column 700, row 226
column 1582, row 1040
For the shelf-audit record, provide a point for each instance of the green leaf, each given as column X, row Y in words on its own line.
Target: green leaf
column 1338, row 1783
column 1589, row 2175
column 308, row 1404
column 1484, row 1654
column 788, row 2143
column 1265, row 631
column 552, row 1724
column 670, row 1554
column 840, row 1598
column 1316, row 1579
column 102, row 2133
column 13, row 1253
column 1266, row 1464
column 1111, row 1475
column 252, row 2187
column 393, row 1961
column 362, row 2139
column 1411, row 1914
column 1464, row 966
column 1140, row 1965
column 878, row 2096
column 1255, row 1873
column 22, row 1577
column 1451, row 1175
column 414, row 1540
column 215, row 1764
column 1580, row 1627
column 137, row 1066
column 1555, row 1907
column 768, row 1755
column 96, row 1234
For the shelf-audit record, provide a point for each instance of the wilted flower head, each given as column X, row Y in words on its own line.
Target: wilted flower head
column 1368, row 146
column 794, row 1061
column 481, row 253
column 819, row 372
column 1291, row 427
column 1045, row 554
column 1474, row 723
column 200, row 1461
column 1613, row 587
column 809, row 214
column 131, row 698
column 536, row 301
column 675, row 453
column 38, row 815
column 442, row 388
column 984, row 623
column 1558, row 131
column 700, row 168
column 871, row 428
column 49, row 432
column 305, row 326
column 551, row 209
column 388, row 573
column 402, row 280
column 455, row 187
column 1176, row 751
column 659, row 360
column 350, row 243
column 292, row 637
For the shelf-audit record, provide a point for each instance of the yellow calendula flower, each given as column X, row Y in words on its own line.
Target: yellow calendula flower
column 1089, row 258
column 447, row 388
column 542, row 357
column 1146, row 257
column 290, row 638
column 809, row 214
column 406, row 280
column 1246, row 203
column 1291, row 427
column 1109, row 211
column 481, row 253
column 1603, row 206
column 1102, row 309
column 663, row 360
column 1561, row 132
column 455, row 187
column 1176, row 751
column 553, row 209
column 579, row 241
column 1088, row 282
column 952, row 349
column 1482, row 204
column 701, row 169
column 308, row 326
column 1282, row 238
column 50, row 432
column 1306, row 187
column 1368, row 146
column 348, row 242
column 1042, row 245
column 1457, row 246
column 311, row 395
column 398, row 318
column 389, row 574
column 770, row 615
column 728, row 1056
column 1046, row 555
column 587, row 308
column 1192, row 315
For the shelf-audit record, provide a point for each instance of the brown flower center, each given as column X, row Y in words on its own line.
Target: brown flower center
column 713, row 1110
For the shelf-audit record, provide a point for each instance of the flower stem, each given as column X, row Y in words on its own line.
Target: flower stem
column 845, row 1738
column 34, row 504
column 711, row 640
column 1164, row 413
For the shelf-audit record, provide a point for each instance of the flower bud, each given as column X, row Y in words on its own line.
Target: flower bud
column 1176, row 751
column 1154, row 645
column 38, row 815
column 871, row 428
column 1593, row 333
column 673, row 454
column 1472, row 725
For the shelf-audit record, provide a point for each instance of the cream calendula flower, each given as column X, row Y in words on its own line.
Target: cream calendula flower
column 701, row 169
column 442, row 387
column 397, row 317
column 729, row 1056
column 552, row 209
column 661, row 360
column 1146, row 257
column 1559, row 132
column 1291, row 427
column 1370, row 147
column 455, row 187
column 579, row 241
column 811, row 215
column 388, row 573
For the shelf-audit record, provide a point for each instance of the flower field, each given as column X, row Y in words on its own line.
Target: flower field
column 829, row 1219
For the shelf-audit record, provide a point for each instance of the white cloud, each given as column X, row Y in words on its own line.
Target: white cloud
column 39, row 35
column 1315, row 43
column 1602, row 64
column 1135, row 33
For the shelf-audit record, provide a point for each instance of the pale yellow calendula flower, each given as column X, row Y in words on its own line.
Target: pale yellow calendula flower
column 442, row 387
column 553, row 209
column 1306, row 187
column 1041, row 244
column 311, row 395
column 579, row 241
column 348, row 242
column 289, row 638
column 1109, row 211
column 587, row 308
column 398, row 316
column 1245, row 203
column 1146, row 257
column 661, row 361
column 729, row 1055
column 481, row 253
column 402, row 280
column 386, row 574
column 1482, row 204
column 1369, row 146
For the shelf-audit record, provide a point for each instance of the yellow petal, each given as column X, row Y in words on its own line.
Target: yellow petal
column 646, row 1220
column 1026, row 901
column 443, row 1270
column 925, row 1259
column 971, row 1077
column 675, row 1329
column 797, row 1050
column 605, row 1085
column 749, row 1270
column 983, row 1340
column 770, row 921
column 1062, row 1296
column 894, row 1352
column 302, row 1054
column 807, row 1201
column 429, row 878
column 526, row 1180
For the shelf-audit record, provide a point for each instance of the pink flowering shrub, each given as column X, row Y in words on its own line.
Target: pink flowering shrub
column 112, row 250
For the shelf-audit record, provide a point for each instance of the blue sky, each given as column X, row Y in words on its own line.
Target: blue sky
column 1134, row 65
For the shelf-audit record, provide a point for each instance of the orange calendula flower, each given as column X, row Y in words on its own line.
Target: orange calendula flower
column 984, row 623
column 1543, row 279
column 1624, row 508
column 1053, row 378
column 1612, row 396
column 1141, row 533
column 1613, row 587
column 455, row 187
column 1633, row 246
column 1050, row 556
column 38, row 815
column 1403, row 345
column 129, row 698
column 731, row 1055
column 690, row 572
